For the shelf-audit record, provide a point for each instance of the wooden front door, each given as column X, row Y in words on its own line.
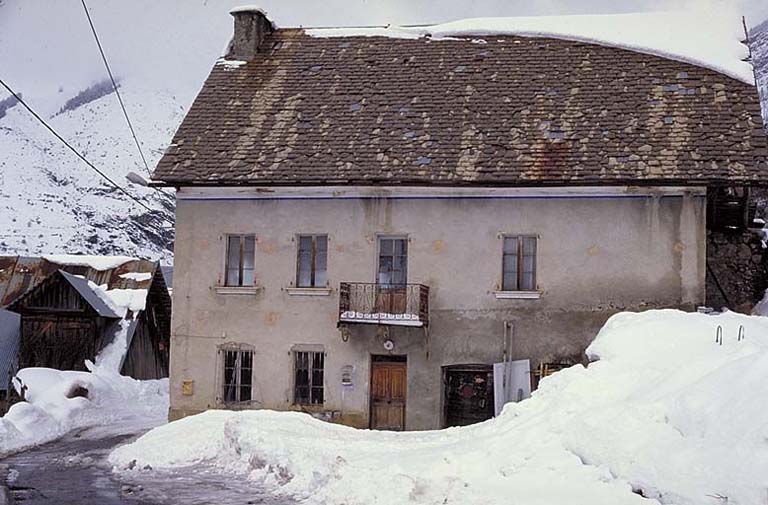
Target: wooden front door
column 388, row 389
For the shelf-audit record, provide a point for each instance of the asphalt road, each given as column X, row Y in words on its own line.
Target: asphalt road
column 74, row 471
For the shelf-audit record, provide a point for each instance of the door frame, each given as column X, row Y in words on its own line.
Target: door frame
column 386, row 358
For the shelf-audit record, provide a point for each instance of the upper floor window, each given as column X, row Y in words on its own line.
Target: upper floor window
column 519, row 263
column 241, row 250
column 309, row 371
column 238, row 373
column 311, row 266
column 393, row 261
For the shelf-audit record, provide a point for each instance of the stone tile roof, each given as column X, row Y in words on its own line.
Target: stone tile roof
column 509, row 110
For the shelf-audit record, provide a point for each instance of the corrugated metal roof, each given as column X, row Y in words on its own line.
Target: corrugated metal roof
column 19, row 274
column 10, row 325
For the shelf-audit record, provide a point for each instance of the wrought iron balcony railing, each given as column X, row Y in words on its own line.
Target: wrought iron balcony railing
column 393, row 304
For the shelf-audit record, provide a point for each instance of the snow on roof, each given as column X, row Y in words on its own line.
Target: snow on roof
column 137, row 276
column 109, row 302
column 704, row 38
column 132, row 299
column 230, row 64
column 118, row 335
column 95, row 262
column 91, row 293
column 120, row 301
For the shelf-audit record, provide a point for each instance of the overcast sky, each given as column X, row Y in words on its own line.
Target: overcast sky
column 366, row 12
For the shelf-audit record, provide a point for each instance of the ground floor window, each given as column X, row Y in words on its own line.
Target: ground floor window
column 238, row 373
column 309, row 377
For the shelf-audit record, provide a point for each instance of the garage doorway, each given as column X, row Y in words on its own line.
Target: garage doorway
column 468, row 394
column 389, row 376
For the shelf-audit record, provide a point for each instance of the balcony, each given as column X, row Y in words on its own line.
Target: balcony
column 397, row 305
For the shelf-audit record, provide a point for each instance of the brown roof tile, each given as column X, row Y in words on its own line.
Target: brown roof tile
column 512, row 111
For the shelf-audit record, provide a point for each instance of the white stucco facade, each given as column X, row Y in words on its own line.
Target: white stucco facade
column 600, row 250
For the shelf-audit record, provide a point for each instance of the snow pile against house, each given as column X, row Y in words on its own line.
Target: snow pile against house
column 61, row 401
column 700, row 37
column 670, row 411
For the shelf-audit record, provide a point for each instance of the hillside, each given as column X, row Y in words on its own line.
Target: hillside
column 49, row 199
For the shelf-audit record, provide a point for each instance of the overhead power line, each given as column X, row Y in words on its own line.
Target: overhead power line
column 114, row 85
column 77, row 153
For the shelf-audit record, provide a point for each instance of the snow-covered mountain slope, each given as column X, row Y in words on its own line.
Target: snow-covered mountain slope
column 160, row 53
column 759, row 45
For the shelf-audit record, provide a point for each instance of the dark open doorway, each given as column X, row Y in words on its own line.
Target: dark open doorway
column 468, row 394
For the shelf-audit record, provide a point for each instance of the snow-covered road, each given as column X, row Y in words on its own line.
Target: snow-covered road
column 74, row 470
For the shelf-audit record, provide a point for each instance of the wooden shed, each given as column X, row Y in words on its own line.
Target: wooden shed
column 73, row 307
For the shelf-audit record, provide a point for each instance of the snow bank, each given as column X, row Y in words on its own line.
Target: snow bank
column 111, row 358
column 96, row 262
column 665, row 410
column 707, row 38
column 55, row 405
column 761, row 308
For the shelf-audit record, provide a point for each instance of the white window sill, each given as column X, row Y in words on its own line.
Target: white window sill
column 517, row 295
column 308, row 291
column 238, row 290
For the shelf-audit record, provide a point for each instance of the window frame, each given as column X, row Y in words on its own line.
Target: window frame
column 240, row 350
column 241, row 260
column 520, row 261
column 310, row 385
column 377, row 265
column 312, row 261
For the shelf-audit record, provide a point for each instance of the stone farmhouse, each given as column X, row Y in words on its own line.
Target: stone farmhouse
column 404, row 232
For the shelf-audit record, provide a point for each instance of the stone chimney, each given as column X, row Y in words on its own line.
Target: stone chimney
column 251, row 28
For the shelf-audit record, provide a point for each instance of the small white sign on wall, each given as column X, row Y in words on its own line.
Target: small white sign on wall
column 348, row 376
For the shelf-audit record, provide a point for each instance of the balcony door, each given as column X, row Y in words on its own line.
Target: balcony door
column 392, row 275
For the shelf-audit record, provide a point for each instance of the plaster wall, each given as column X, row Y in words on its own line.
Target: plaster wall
column 598, row 254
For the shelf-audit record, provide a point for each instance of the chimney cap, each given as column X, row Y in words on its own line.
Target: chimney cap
column 248, row 8
column 251, row 28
